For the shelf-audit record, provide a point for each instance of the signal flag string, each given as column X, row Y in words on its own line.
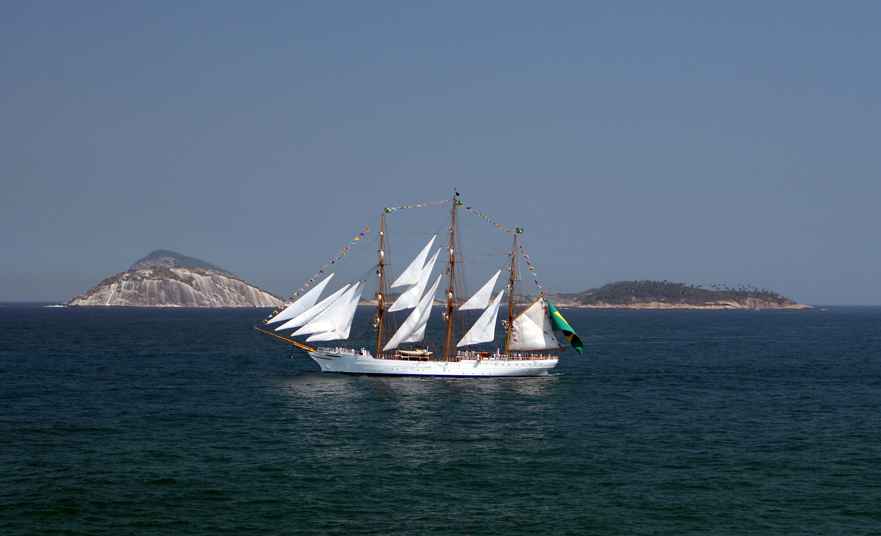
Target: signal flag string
column 362, row 235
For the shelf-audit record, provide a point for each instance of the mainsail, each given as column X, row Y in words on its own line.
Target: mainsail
column 532, row 329
column 481, row 297
column 410, row 297
column 411, row 274
column 343, row 319
column 332, row 317
column 484, row 329
column 413, row 328
column 307, row 315
column 305, row 302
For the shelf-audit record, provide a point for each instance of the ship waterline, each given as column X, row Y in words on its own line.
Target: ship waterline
column 464, row 365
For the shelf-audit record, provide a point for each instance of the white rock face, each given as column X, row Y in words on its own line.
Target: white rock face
column 162, row 285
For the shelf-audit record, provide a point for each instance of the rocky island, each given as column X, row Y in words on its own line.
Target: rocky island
column 168, row 279
column 669, row 295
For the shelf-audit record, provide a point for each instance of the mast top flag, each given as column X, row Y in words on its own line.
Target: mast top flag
column 529, row 334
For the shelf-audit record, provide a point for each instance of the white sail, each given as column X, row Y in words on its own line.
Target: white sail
column 532, row 330
column 344, row 325
column 410, row 297
column 414, row 322
column 481, row 297
column 424, row 308
column 305, row 302
column 330, row 318
column 418, row 334
column 306, row 316
column 484, row 329
column 324, row 336
column 410, row 276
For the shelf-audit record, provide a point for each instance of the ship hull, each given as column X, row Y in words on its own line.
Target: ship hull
column 342, row 361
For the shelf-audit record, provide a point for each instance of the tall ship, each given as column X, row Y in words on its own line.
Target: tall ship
column 530, row 345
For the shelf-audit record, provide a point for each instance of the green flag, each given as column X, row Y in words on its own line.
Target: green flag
column 560, row 324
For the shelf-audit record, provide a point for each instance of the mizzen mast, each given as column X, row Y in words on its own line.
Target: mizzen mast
column 449, row 347
column 380, row 297
column 511, row 283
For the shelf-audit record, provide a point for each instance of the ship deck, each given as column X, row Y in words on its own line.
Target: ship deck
column 460, row 356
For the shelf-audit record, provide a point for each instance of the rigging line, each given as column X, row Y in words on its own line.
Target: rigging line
column 531, row 267
column 323, row 270
column 389, row 210
column 482, row 215
column 367, row 274
column 421, row 234
column 491, row 254
column 392, row 319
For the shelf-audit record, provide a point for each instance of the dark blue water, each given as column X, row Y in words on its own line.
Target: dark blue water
column 187, row 422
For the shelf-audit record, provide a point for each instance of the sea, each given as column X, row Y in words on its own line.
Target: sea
column 139, row 421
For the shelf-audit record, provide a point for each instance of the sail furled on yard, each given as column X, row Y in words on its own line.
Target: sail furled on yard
column 306, row 316
column 480, row 299
column 411, row 274
column 330, row 318
column 532, row 329
column 305, row 302
column 413, row 328
column 484, row 329
column 410, row 297
column 343, row 320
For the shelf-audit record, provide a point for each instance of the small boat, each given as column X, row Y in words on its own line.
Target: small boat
column 530, row 347
column 416, row 352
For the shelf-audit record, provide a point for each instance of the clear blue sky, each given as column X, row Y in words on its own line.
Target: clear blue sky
column 702, row 142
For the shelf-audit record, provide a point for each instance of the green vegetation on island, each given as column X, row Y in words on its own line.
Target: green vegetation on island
column 649, row 294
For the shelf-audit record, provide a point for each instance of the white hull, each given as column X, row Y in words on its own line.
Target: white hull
column 344, row 360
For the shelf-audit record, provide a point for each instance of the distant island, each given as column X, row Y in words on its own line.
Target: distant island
column 648, row 294
column 165, row 278
column 651, row 294
column 168, row 279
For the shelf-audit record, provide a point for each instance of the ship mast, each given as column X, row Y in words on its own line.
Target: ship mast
column 380, row 298
column 511, row 282
column 451, row 298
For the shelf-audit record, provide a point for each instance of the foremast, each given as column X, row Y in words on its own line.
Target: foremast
column 380, row 297
column 449, row 347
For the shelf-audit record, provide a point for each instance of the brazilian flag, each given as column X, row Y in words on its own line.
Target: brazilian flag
column 560, row 324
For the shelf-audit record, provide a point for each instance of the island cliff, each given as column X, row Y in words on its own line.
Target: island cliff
column 168, row 279
column 670, row 295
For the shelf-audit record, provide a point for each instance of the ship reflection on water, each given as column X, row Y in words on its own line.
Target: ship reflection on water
column 406, row 421
column 345, row 386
